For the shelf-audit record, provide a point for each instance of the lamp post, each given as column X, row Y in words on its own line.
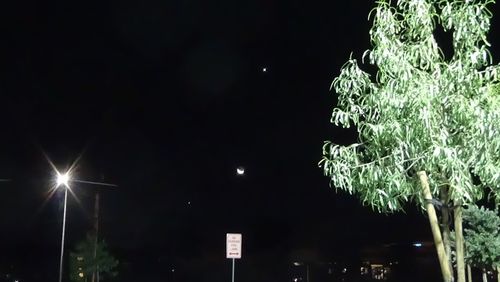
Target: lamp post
column 62, row 180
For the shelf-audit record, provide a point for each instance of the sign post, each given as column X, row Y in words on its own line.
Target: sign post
column 233, row 248
column 232, row 273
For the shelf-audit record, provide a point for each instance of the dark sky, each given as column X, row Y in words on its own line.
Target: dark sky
column 166, row 99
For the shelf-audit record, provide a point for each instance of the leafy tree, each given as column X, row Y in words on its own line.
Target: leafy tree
column 87, row 259
column 482, row 238
column 428, row 124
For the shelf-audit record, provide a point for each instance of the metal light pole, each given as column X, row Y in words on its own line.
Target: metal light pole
column 62, row 179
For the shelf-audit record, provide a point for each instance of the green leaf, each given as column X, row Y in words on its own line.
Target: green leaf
column 421, row 111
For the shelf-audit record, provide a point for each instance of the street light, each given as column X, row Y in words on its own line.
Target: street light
column 63, row 180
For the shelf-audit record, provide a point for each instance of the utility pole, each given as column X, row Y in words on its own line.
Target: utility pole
column 95, row 274
column 307, row 272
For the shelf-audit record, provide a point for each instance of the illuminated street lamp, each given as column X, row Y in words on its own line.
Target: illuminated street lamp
column 63, row 180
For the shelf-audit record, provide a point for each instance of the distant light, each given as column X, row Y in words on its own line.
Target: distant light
column 264, row 69
column 296, row 263
column 240, row 170
column 80, row 274
column 418, row 245
column 62, row 179
column 189, row 202
column 173, row 269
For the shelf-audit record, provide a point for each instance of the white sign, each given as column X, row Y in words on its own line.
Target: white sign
column 233, row 245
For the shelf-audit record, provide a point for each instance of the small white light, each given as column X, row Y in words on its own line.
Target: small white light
column 418, row 245
column 264, row 69
column 62, row 179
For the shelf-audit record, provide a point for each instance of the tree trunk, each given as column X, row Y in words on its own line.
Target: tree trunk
column 485, row 276
column 436, row 232
column 459, row 241
column 498, row 273
column 445, row 225
column 469, row 273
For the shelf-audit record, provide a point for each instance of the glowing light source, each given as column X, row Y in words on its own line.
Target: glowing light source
column 418, row 245
column 62, row 179
column 240, row 170
column 264, row 69
column 80, row 274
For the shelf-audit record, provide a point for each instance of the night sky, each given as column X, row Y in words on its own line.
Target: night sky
column 166, row 99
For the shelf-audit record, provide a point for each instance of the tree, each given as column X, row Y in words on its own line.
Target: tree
column 482, row 238
column 84, row 262
column 427, row 123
